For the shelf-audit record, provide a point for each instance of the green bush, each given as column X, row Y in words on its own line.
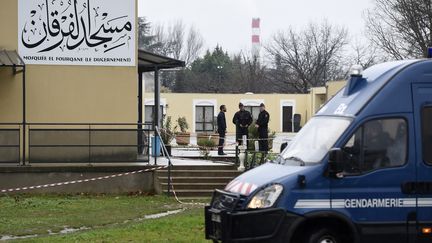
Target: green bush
column 167, row 133
column 182, row 124
column 253, row 134
column 206, row 143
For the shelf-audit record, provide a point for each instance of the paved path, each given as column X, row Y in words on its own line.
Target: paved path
column 178, row 161
column 193, row 151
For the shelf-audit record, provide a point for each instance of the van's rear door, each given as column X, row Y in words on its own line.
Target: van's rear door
column 422, row 101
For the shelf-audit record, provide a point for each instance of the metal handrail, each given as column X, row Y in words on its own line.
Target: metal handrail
column 13, row 146
column 86, row 127
column 83, row 124
column 165, row 151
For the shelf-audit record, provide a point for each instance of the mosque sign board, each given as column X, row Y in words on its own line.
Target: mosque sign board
column 77, row 32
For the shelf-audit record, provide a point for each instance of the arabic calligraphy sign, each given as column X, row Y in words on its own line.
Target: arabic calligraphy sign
column 77, row 32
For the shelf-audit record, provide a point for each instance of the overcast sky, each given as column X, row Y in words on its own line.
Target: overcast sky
column 228, row 22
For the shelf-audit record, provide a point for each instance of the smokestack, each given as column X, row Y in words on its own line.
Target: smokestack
column 256, row 37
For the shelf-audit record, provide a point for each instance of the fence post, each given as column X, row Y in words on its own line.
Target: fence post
column 169, row 179
column 165, row 154
column 89, row 144
column 237, row 154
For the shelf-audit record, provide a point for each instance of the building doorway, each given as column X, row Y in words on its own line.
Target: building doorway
column 287, row 119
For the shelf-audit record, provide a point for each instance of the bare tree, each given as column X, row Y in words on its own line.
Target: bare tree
column 366, row 54
column 307, row 58
column 193, row 46
column 402, row 28
column 178, row 42
column 146, row 40
column 176, row 38
column 249, row 74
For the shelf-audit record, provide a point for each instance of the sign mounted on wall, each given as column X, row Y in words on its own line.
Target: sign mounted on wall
column 77, row 32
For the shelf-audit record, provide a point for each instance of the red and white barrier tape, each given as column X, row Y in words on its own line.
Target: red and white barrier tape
column 178, row 200
column 80, row 181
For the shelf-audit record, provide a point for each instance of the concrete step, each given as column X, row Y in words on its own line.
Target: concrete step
column 195, row 181
column 192, row 193
column 195, row 186
column 216, row 179
column 199, row 173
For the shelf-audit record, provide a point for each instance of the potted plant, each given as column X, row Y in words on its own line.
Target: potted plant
column 183, row 137
column 205, row 145
column 214, row 137
column 167, row 133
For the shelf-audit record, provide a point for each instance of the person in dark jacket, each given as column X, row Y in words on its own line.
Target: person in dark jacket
column 221, row 123
column 262, row 125
column 242, row 119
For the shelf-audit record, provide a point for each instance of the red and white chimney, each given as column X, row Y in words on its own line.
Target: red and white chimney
column 256, row 38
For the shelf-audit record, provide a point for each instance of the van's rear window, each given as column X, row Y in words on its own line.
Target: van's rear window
column 427, row 134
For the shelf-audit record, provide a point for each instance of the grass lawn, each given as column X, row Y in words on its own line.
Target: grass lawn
column 109, row 219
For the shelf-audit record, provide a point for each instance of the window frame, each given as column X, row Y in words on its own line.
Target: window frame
column 361, row 126
column 162, row 108
column 204, row 118
column 251, row 111
column 426, row 106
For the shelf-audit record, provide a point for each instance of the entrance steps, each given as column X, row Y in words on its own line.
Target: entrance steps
column 197, row 181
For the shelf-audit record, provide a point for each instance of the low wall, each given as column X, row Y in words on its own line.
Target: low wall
column 13, row 177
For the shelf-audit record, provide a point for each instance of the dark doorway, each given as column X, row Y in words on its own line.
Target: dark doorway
column 287, row 116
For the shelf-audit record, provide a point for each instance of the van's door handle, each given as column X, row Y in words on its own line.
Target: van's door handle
column 421, row 187
column 408, row 187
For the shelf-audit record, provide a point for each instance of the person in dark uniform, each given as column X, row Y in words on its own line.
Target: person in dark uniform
column 262, row 125
column 221, row 123
column 242, row 119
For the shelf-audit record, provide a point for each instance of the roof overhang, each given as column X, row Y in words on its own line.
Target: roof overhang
column 148, row 62
column 11, row 59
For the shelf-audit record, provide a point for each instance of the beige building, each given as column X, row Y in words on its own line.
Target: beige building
column 200, row 110
column 81, row 76
column 64, row 93
column 81, row 88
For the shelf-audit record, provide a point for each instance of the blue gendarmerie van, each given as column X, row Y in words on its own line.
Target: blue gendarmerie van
column 359, row 171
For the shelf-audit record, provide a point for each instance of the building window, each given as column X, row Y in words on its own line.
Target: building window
column 427, row 134
column 254, row 110
column 204, row 118
column 149, row 115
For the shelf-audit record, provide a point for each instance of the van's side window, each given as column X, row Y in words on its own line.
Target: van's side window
column 427, row 134
column 377, row 144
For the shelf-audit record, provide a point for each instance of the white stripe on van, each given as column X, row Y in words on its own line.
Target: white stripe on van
column 364, row 203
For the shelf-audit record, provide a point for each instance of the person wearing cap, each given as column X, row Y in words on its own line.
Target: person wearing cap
column 242, row 119
column 262, row 125
column 221, row 123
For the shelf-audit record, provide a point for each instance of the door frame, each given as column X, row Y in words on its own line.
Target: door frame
column 423, row 198
column 285, row 103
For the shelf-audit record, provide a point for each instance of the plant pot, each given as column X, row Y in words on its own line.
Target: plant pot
column 207, row 142
column 211, row 136
column 215, row 138
column 183, row 138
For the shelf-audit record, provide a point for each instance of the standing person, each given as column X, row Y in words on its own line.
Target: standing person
column 242, row 119
column 221, row 123
column 262, row 125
